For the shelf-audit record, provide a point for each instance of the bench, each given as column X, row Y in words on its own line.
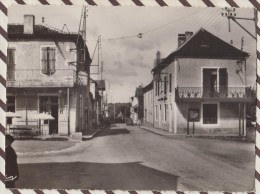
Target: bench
column 23, row 131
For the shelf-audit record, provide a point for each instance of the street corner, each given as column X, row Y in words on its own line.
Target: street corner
column 40, row 147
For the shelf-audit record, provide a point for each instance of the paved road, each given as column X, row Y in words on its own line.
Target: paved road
column 130, row 158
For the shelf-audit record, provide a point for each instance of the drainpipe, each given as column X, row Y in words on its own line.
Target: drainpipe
column 153, row 104
column 68, row 103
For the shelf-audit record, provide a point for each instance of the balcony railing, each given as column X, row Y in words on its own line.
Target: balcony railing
column 34, row 77
column 204, row 92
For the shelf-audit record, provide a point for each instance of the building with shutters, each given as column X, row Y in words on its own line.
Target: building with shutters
column 47, row 72
column 201, row 87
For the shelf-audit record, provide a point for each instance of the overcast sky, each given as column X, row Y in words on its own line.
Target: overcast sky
column 128, row 60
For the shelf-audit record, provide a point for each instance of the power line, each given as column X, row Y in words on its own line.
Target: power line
column 213, row 19
column 151, row 30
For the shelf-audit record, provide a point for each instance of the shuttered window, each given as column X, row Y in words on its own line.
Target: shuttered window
column 170, row 82
column 165, row 85
column 10, row 64
column 48, row 60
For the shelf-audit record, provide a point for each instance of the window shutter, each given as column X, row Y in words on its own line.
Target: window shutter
column 44, row 60
column 170, row 82
column 52, row 60
column 10, row 56
column 223, row 82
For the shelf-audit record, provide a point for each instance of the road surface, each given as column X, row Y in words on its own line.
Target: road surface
column 129, row 158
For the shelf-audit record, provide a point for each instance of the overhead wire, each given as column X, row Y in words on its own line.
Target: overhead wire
column 151, row 30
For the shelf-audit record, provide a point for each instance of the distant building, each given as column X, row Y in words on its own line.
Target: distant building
column 148, row 105
column 201, row 87
column 134, row 109
column 43, row 76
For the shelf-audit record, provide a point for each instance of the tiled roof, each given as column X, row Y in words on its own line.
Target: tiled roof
column 148, row 87
column 40, row 31
column 203, row 44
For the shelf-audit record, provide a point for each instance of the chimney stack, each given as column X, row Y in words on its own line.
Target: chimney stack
column 184, row 37
column 188, row 35
column 29, row 22
column 181, row 39
column 158, row 58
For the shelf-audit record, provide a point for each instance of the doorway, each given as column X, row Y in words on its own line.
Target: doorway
column 210, row 82
column 50, row 104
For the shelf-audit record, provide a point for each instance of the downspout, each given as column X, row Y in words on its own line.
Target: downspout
column 153, row 105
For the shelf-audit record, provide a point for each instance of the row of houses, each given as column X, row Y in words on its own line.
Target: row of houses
column 48, row 71
column 201, row 87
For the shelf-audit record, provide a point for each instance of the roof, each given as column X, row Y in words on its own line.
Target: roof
column 120, row 115
column 101, row 85
column 15, row 31
column 148, row 87
column 203, row 44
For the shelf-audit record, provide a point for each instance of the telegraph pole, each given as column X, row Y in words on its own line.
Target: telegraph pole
column 231, row 14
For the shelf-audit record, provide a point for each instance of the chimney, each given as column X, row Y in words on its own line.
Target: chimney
column 188, row 35
column 29, row 21
column 158, row 58
column 181, row 39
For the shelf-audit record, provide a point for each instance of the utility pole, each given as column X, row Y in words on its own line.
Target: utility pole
column 230, row 13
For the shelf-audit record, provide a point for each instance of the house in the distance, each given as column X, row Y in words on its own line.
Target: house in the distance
column 201, row 87
column 148, row 105
column 44, row 76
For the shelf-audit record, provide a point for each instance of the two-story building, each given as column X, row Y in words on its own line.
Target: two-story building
column 201, row 87
column 46, row 73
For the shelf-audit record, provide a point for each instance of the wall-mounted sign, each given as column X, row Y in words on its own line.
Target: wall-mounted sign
column 194, row 115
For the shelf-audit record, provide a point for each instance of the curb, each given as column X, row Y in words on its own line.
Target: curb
column 69, row 149
column 88, row 137
column 211, row 137
column 155, row 132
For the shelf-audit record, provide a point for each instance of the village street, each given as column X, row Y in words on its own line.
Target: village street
column 131, row 158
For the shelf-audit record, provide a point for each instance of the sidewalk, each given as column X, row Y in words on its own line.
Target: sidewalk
column 162, row 132
column 51, row 144
column 206, row 136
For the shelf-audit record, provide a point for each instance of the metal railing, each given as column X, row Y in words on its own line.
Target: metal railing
column 220, row 92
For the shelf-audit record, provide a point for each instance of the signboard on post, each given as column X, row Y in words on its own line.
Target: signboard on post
column 194, row 115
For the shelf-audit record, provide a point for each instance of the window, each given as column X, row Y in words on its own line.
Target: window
column 165, row 85
column 210, row 113
column 10, row 64
column 165, row 112
column 48, row 60
column 158, row 88
column 170, row 82
column 156, row 112
column 161, row 116
column 10, row 107
column 155, row 88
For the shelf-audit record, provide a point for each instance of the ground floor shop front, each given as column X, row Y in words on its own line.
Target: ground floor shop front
column 66, row 106
column 202, row 117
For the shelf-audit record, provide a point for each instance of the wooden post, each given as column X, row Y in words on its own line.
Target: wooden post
column 239, row 120
column 244, row 119
column 188, row 130
column 68, row 109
